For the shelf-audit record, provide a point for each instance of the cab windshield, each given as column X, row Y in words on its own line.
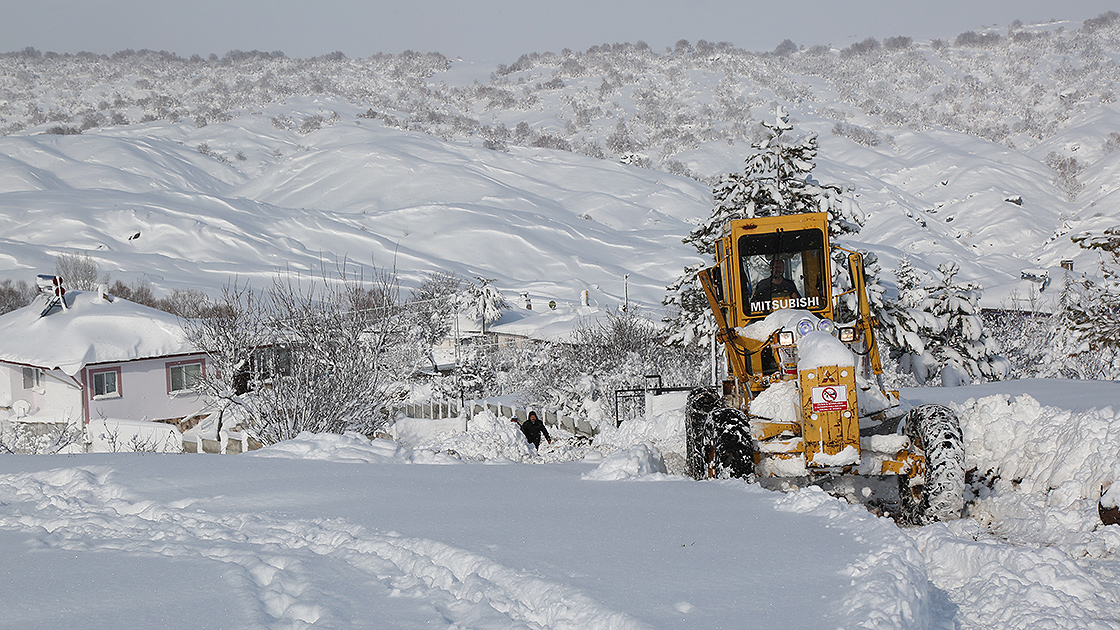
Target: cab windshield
column 783, row 269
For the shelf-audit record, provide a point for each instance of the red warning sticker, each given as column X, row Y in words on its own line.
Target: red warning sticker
column 830, row 398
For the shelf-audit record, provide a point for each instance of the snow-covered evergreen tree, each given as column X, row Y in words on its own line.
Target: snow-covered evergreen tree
column 1096, row 314
column 1066, row 353
column 776, row 180
column 483, row 301
column 693, row 322
column 964, row 349
column 906, row 328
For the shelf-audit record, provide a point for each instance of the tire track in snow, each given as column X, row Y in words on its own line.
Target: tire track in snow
column 291, row 565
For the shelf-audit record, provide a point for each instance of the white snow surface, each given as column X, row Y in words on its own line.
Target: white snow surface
column 90, row 330
column 818, row 349
column 341, row 531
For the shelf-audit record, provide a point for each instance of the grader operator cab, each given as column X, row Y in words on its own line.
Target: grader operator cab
column 803, row 401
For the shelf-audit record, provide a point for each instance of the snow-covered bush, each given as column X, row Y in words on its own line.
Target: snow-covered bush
column 319, row 354
column 35, row 438
column 580, row 377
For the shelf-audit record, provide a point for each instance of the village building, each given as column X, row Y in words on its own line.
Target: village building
column 91, row 357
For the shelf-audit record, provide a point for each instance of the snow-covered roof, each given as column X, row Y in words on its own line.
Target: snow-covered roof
column 90, row 330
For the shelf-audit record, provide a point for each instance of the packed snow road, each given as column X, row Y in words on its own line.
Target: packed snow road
column 295, row 543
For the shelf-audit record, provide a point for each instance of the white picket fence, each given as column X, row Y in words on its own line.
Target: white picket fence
column 441, row 409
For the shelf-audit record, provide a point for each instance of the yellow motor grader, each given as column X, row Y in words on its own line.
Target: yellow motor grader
column 803, row 401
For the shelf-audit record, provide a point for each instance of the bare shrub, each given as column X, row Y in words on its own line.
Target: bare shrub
column 15, row 295
column 320, row 353
column 79, row 272
column 434, row 303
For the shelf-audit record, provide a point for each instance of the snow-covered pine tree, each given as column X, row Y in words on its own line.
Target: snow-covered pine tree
column 964, row 349
column 693, row 321
column 1065, row 353
column 907, row 329
column 483, row 301
column 1097, row 313
column 776, row 180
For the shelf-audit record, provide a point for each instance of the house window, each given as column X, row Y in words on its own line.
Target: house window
column 183, row 376
column 106, row 383
column 32, row 378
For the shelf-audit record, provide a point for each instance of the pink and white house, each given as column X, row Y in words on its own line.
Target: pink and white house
column 97, row 357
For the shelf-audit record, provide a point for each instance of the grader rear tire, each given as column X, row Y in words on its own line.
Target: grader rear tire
column 717, row 439
column 935, row 430
column 702, row 401
column 734, row 449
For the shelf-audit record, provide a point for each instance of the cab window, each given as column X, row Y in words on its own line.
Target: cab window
column 783, row 269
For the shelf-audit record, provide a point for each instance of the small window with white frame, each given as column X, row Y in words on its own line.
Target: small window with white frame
column 32, row 378
column 106, row 383
column 184, row 376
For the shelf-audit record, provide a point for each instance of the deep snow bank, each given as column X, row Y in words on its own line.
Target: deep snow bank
column 640, row 460
column 1041, row 470
column 351, row 448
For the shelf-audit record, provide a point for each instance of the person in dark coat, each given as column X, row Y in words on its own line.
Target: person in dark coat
column 533, row 428
column 777, row 285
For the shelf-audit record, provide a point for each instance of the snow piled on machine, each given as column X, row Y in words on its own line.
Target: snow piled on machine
column 818, row 349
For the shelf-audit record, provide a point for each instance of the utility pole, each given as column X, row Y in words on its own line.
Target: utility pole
column 626, row 293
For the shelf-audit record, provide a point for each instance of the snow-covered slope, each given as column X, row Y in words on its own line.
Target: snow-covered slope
column 550, row 223
column 534, row 174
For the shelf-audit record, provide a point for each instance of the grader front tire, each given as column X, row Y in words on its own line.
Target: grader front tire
column 936, row 430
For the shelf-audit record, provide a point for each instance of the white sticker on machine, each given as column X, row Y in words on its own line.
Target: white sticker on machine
column 830, row 398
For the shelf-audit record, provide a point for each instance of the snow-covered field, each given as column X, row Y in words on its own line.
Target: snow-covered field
column 474, row 530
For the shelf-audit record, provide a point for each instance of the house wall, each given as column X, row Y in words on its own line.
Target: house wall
column 57, row 399
column 143, row 392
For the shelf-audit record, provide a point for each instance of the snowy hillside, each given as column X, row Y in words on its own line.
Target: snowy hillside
column 560, row 172
column 550, row 224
